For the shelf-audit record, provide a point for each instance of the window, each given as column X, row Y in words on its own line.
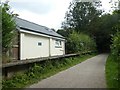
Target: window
column 58, row 44
column 39, row 44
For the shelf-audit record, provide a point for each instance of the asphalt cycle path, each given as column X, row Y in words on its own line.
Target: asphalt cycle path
column 88, row 74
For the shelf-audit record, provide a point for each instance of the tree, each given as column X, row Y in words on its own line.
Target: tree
column 8, row 27
column 64, row 32
column 80, row 15
column 101, row 30
column 86, row 18
column 115, row 47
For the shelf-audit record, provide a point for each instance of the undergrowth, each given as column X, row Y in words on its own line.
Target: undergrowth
column 41, row 71
column 112, row 71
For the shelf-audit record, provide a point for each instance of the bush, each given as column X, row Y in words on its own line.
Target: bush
column 115, row 47
column 113, row 65
column 78, row 43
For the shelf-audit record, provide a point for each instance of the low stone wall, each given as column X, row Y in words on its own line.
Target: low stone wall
column 9, row 69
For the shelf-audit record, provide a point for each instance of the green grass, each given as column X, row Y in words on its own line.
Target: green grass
column 43, row 70
column 112, row 73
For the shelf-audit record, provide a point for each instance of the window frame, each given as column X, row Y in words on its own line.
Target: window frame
column 58, row 43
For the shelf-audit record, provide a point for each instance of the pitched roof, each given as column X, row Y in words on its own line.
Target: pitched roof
column 30, row 26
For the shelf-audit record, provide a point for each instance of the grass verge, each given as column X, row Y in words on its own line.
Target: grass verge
column 43, row 70
column 112, row 72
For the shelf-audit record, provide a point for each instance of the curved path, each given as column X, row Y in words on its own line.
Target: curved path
column 88, row 74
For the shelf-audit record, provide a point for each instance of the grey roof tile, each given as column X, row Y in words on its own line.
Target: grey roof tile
column 30, row 26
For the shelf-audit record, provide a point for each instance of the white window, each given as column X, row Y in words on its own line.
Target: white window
column 58, row 43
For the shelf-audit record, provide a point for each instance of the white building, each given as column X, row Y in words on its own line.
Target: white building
column 37, row 41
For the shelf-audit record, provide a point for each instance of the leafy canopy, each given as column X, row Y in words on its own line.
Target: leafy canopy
column 8, row 27
column 80, row 15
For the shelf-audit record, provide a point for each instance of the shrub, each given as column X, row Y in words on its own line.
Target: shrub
column 80, row 43
column 115, row 47
column 115, row 50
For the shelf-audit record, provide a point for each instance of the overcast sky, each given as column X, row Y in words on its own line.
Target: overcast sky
column 49, row 13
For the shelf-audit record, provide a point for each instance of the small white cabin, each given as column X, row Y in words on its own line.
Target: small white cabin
column 37, row 41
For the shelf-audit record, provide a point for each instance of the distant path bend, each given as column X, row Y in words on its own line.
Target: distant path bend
column 88, row 74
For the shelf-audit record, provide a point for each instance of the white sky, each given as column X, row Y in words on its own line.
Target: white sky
column 49, row 13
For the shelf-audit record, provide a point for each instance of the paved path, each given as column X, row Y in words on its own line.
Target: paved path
column 88, row 74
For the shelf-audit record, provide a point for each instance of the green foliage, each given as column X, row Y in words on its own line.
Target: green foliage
column 41, row 71
column 63, row 33
column 112, row 71
column 104, row 30
column 113, row 62
column 86, row 18
column 8, row 27
column 115, row 47
column 80, row 43
column 80, row 15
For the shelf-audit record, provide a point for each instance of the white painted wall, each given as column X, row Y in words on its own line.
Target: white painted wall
column 29, row 47
column 57, row 51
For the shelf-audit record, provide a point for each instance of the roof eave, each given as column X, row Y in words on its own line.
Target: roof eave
column 37, row 32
